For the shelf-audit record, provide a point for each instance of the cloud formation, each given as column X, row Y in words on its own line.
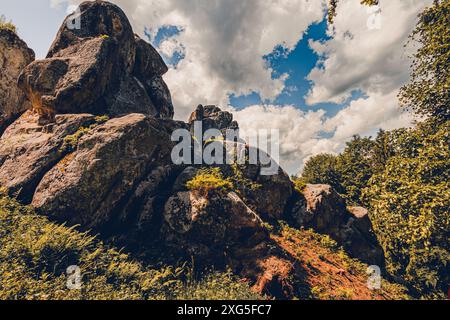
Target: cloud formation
column 223, row 43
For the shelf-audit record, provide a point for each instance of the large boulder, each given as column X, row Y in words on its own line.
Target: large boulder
column 89, row 185
column 53, row 85
column 14, row 57
column 28, row 151
column 211, row 226
column 321, row 208
column 99, row 68
column 212, row 117
column 267, row 192
column 99, row 19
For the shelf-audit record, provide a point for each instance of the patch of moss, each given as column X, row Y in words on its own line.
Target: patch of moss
column 70, row 142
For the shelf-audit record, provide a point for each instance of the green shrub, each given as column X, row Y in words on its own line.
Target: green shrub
column 210, row 179
column 409, row 204
column 322, row 169
column 8, row 25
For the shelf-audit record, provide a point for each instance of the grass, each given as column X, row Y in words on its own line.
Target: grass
column 35, row 254
column 7, row 25
column 330, row 273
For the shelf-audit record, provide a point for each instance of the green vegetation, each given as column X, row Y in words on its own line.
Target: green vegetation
column 210, row 179
column 402, row 176
column 240, row 181
column 409, row 205
column 35, row 253
column 317, row 253
column 322, row 169
column 332, row 7
column 427, row 93
column 8, row 25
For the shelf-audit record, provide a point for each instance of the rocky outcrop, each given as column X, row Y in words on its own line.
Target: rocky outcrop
column 212, row 117
column 266, row 194
column 320, row 207
column 87, row 186
column 100, row 68
column 114, row 174
column 28, row 151
column 212, row 226
column 14, row 57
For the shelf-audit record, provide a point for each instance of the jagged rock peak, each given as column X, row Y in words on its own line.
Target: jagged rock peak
column 213, row 117
column 98, row 66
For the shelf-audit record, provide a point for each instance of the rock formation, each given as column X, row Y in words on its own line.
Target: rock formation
column 14, row 56
column 94, row 150
column 323, row 209
column 101, row 68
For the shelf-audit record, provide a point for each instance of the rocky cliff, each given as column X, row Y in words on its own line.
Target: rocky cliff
column 94, row 149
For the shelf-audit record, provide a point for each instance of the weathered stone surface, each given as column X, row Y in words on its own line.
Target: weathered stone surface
column 149, row 63
column 324, row 210
column 272, row 195
column 28, row 150
column 360, row 240
column 88, row 185
column 72, row 81
column 99, row 19
column 14, row 57
column 160, row 95
column 132, row 97
column 213, row 117
column 186, row 175
column 94, row 69
column 213, row 226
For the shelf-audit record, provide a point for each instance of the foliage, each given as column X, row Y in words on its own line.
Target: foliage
column 332, row 7
column 409, row 204
column 322, row 169
column 240, row 181
column 218, row 286
column 34, row 255
column 210, row 179
column 355, row 167
column 8, row 25
column 428, row 92
column 299, row 184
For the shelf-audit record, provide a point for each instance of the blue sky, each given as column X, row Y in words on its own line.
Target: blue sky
column 276, row 65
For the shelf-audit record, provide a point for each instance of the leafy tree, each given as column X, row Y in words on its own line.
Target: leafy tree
column 322, row 169
column 428, row 92
column 409, row 209
column 356, row 166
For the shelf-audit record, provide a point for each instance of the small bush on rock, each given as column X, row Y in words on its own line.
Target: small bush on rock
column 210, row 179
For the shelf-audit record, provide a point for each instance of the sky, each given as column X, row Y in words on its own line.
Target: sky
column 276, row 64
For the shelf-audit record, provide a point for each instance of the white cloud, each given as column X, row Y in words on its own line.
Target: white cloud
column 171, row 46
column 224, row 42
column 359, row 58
